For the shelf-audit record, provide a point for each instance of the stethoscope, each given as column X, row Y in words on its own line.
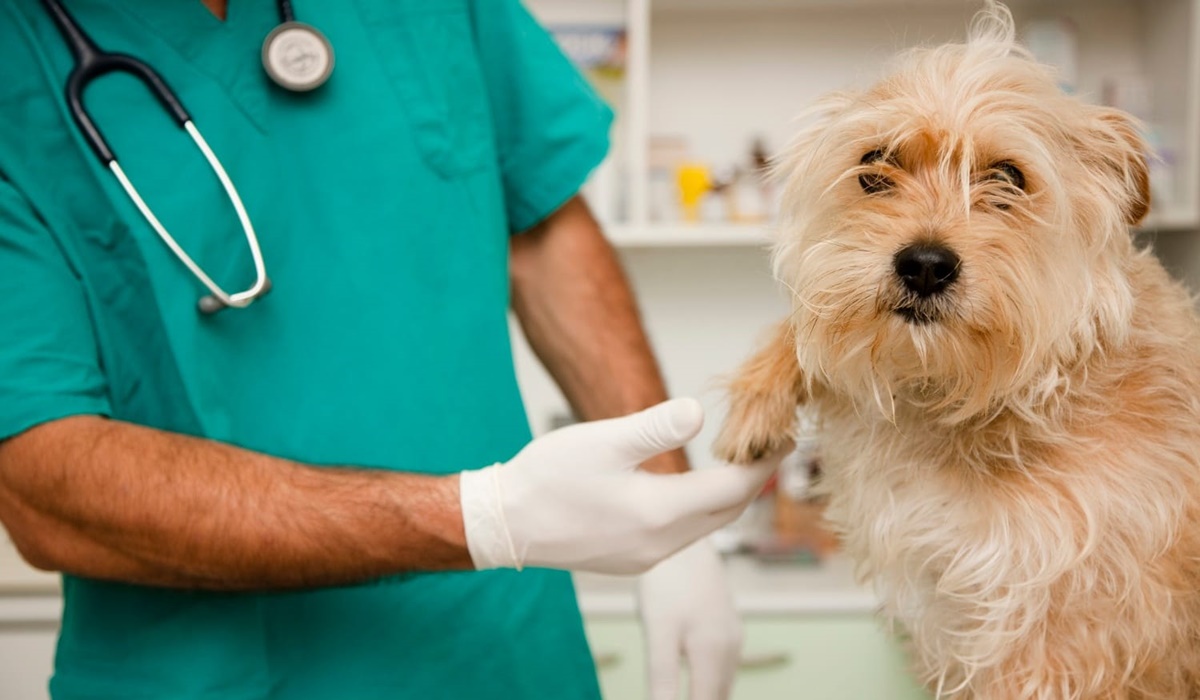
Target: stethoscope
column 295, row 55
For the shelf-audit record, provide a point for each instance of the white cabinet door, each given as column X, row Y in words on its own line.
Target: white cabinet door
column 26, row 657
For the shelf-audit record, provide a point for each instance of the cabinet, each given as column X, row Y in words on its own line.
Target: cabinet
column 810, row 632
column 30, row 608
column 828, row 656
column 28, row 634
column 26, row 656
column 841, row 654
column 832, row 657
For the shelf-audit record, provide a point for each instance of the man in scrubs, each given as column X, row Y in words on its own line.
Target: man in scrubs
column 283, row 501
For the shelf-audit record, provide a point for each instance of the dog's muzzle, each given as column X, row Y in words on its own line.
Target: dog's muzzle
column 925, row 271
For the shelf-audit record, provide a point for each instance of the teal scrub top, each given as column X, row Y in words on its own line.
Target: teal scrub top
column 384, row 202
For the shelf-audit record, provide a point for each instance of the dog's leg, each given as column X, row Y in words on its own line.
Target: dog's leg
column 763, row 400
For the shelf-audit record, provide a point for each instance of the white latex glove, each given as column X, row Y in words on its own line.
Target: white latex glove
column 688, row 615
column 575, row 500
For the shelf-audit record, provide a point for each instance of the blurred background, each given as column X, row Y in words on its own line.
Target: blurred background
column 705, row 92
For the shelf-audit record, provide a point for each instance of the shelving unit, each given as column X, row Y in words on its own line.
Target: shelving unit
column 707, row 235
column 719, row 72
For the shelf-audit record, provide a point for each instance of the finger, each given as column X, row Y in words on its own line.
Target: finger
column 708, row 491
column 664, row 427
column 662, row 657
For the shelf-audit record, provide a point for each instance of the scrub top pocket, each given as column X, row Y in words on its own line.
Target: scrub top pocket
column 427, row 50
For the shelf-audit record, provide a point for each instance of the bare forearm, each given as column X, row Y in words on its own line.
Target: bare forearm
column 111, row 500
column 579, row 314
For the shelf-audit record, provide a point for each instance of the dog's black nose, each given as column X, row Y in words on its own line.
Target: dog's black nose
column 926, row 268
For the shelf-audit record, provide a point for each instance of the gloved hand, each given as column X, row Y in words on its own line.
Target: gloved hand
column 688, row 614
column 575, row 500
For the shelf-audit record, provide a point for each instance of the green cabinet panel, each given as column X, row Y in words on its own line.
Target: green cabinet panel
column 822, row 657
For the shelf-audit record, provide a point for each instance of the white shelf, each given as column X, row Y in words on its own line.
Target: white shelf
column 724, row 72
column 688, row 235
column 40, row 609
column 632, row 236
column 718, row 74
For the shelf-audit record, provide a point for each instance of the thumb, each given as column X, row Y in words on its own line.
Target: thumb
column 657, row 429
column 725, row 487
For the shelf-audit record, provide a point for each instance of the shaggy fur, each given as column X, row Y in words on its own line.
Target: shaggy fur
column 1015, row 462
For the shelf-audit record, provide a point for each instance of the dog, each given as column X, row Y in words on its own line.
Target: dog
column 1007, row 387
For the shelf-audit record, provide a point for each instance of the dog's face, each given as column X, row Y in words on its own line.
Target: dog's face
column 957, row 235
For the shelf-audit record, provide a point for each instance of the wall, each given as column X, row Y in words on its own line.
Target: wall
column 703, row 309
column 1179, row 252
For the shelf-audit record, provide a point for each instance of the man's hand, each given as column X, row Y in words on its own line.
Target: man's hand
column 575, row 499
column 688, row 616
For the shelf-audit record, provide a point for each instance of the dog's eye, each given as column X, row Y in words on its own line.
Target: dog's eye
column 1006, row 172
column 874, row 183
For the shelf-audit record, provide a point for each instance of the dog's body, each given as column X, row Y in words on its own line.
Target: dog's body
column 1009, row 392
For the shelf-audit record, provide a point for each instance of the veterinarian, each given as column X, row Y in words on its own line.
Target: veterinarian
column 258, row 495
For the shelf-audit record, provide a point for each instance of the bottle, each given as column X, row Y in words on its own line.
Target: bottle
column 694, row 181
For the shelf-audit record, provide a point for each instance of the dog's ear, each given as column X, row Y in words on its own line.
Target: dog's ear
column 1113, row 143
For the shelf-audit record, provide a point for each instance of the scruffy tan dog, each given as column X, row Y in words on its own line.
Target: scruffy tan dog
column 1008, row 391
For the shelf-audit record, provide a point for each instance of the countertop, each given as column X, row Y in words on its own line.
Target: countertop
column 18, row 578
column 759, row 589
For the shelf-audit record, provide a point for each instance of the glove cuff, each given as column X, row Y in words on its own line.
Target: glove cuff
column 488, row 538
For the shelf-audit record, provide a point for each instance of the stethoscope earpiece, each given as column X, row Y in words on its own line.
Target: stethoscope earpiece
column 209, row 305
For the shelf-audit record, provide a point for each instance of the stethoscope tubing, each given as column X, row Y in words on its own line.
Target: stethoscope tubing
column 91, row 63
column 238, row 299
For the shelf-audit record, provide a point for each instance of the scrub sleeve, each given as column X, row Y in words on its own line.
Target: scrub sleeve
column 551, row 127
column 48, row 361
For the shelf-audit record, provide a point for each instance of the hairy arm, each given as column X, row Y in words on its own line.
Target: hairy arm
column 112, row 500
column 577, row 310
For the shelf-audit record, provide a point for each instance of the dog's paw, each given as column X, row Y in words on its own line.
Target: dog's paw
column 757, row 426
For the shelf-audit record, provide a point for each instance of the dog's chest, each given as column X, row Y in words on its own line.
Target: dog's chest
column 906, row 520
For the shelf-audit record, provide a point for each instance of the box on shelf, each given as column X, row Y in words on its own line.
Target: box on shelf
column 599, row 51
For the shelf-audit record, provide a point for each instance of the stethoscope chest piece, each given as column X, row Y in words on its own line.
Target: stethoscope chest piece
column 297, row 56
